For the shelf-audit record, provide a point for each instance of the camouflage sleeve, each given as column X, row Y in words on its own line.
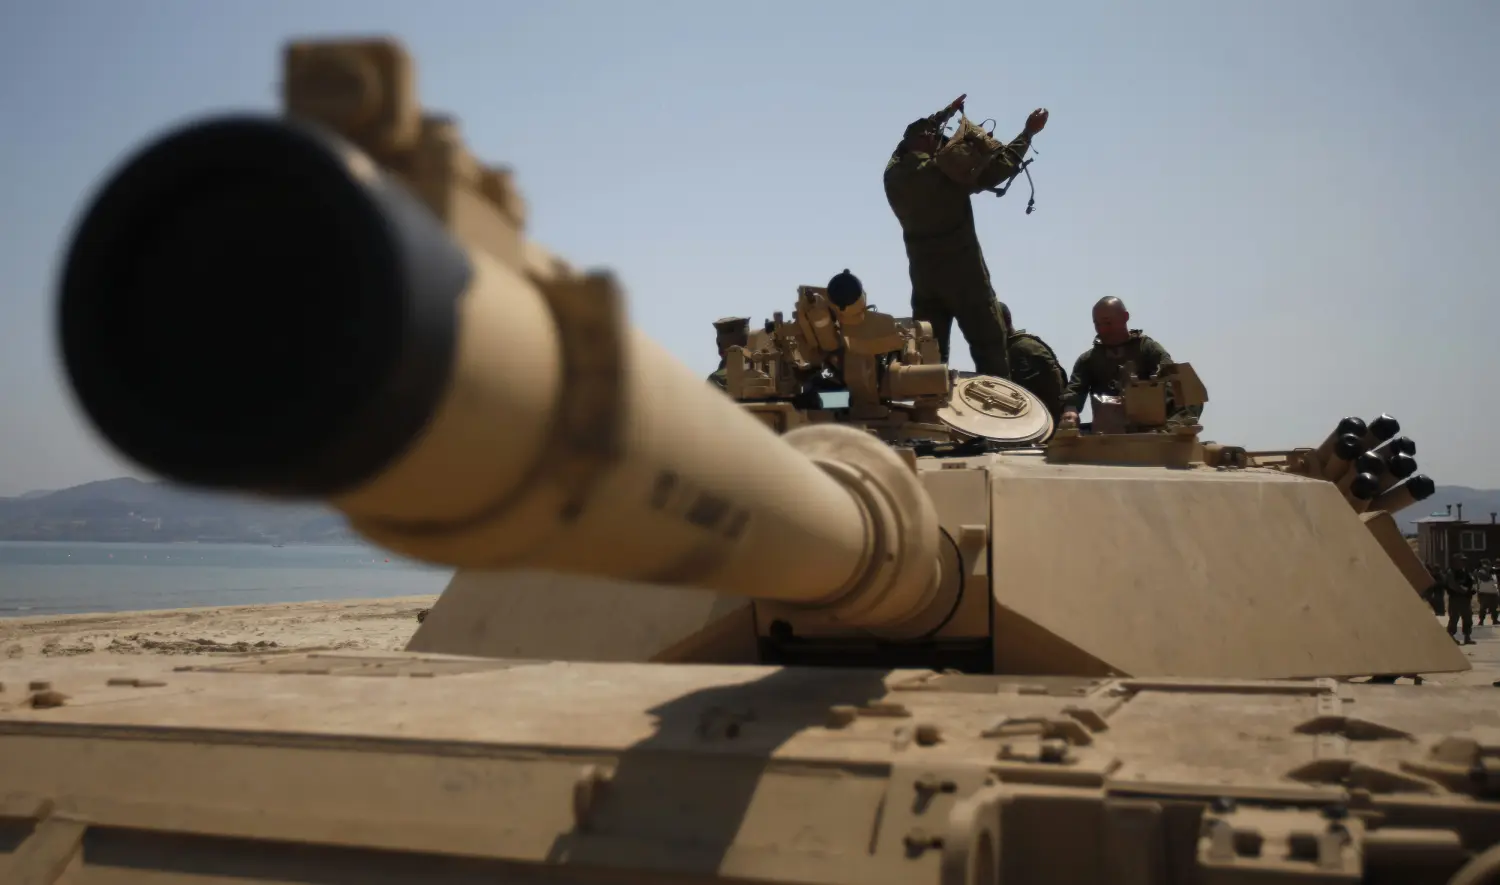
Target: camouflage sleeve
column 1004, row 164
column 1078, row 385
column 1049, row 379
column 1061, row 381
column 1155, row 355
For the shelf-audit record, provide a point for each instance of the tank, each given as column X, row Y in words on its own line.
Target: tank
column 921, row 637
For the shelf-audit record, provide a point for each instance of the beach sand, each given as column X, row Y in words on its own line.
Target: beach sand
column 209, row 633
column 198, row 635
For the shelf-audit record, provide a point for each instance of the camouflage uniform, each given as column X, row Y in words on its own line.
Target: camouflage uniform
column 729, row 331
column 1461, row 602
column 1097, row 370
column 1034, row 366
column 949, row 279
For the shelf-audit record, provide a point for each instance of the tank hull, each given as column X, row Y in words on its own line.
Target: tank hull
column 400, row 767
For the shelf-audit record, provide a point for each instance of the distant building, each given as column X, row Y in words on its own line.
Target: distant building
column 1446, row 534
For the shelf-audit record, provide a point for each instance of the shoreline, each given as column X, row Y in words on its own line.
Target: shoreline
column 209, row 632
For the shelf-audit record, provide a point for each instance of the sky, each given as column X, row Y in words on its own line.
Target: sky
column 1300, row 199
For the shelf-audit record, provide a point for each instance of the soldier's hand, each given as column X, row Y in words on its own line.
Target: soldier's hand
column 1037, row 121
column 1069, row 419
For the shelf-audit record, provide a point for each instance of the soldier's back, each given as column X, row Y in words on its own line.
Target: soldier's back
column 929, row 205
column 1035, row 367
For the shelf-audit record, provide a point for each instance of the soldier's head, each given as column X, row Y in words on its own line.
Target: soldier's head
column 1111, row 320
column 922, row 136
column 731, row 332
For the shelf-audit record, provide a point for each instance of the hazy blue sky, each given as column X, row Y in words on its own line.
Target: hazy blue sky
column 1302, row 199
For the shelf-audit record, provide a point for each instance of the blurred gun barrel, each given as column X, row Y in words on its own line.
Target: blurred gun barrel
column 251, row 304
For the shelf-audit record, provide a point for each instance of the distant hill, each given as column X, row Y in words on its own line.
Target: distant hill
column 135, row 510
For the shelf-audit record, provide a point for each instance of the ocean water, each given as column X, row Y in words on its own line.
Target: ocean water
column 65, row 578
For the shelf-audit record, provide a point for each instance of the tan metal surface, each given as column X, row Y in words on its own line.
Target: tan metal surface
column 313, row 769
column 997, row 409
column 1203, row 572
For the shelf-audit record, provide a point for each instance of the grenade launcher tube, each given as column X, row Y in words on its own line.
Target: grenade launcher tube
column 249, row 304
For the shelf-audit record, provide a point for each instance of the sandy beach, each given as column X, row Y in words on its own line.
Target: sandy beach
column 195, row 635
column 351, row 624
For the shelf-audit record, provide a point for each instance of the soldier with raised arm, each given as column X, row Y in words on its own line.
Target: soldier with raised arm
column 949, row 279
column 1097, row 370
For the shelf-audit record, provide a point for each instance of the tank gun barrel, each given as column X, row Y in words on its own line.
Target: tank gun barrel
column 251, row 304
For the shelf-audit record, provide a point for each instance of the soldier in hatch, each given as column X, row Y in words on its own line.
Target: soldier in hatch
column 1097, row 369
column 949, row 279
column 1034, row 366
column 730, row 332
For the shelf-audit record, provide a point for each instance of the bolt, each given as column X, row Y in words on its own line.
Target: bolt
column 918, row 841
column 46, row 698
column 1337, row 811
column 929, row 783
column 841, row 716
column 1222, row 804
column 1053, row 750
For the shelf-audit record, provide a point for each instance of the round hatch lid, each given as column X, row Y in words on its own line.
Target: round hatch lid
column 998, row 410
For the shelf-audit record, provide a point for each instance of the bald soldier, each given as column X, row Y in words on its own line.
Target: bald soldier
column 1034, row 366
column 729, row 332
column 949, row 279
column 1098, row 369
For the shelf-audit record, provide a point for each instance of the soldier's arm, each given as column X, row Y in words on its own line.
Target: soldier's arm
column 1059, row 384
column 1004, row 164
column 1078, row 385
column 1050, row 381
column 1154, row 356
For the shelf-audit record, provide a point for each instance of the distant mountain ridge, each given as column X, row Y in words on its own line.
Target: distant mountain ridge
column 134, row 510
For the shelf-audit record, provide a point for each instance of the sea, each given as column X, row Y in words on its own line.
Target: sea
column 43, row 578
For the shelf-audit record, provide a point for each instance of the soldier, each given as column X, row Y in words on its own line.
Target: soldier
column 1097, row 370
column 949, row 279
column 1488, row 593
column 729, row 332
column 1461, row 600
column 1034, row 366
